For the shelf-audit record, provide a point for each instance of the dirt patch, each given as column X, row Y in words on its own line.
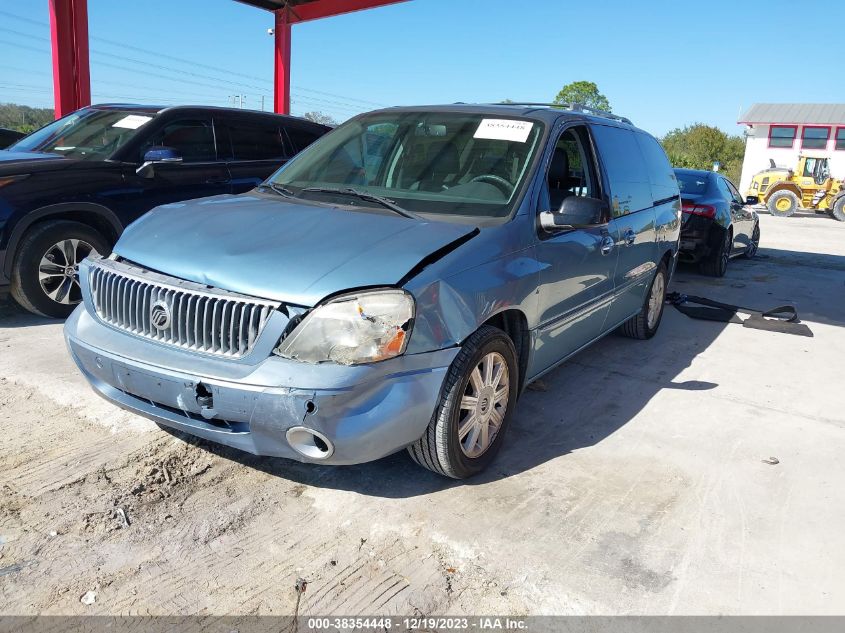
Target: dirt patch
column 93, row 521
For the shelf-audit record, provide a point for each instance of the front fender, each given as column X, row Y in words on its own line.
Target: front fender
column 450, row 309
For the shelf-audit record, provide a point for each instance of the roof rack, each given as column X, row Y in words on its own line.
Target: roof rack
column 574, row 107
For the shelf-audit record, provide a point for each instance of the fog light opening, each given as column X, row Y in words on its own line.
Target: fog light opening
column 310, row 443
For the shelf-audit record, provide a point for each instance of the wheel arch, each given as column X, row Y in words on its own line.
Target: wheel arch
column 514, row 323
column 94, row 215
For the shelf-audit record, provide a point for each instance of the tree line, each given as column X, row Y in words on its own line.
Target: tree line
column 23, row 118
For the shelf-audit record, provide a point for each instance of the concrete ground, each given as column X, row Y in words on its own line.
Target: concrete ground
column 636, row 479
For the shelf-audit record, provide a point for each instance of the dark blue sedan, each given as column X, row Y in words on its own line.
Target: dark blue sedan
column 717, row 224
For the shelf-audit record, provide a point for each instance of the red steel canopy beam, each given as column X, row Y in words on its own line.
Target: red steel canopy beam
column 292, row 13
column 328, row 8
column 281, row 76
column 71, row 71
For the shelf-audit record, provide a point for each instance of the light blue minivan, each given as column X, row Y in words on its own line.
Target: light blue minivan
column 394, row 286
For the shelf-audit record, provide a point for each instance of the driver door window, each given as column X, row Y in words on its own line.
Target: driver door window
column 192, row 138
column 571, row 173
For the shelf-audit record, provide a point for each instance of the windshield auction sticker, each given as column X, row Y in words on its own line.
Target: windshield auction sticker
column 504, row 130
column 133, row 121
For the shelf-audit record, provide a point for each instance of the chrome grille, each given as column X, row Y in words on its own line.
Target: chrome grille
column 201, row 319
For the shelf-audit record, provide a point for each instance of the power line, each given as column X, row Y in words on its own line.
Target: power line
column 319, row 102
column 183, row 61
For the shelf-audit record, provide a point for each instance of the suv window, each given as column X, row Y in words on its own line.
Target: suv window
column 257, row 140
column 661, row 176
column 300, row 138
column 630, row 186
column 192, row 138
column 570, row 171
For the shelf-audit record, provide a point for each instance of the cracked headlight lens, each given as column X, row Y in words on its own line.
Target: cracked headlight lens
column 352, row 329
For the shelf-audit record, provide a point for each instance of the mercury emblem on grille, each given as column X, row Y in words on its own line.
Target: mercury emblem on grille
column 160, row 315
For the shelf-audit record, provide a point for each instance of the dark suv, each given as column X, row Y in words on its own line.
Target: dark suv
column 70, row 188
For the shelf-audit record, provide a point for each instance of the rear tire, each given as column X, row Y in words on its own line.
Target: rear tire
column 644, row 324
column 751, row 251
column 471, row 398
column 838, row 209
column 716, row 264
column 45, row 280
column 783, row 204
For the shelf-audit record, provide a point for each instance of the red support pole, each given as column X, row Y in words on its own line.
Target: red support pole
column 69, row 37
column 281, row 79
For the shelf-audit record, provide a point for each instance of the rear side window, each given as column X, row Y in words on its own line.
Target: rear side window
column 257, row 140
column 630, row 188
column 300, row 138
column 661, row 176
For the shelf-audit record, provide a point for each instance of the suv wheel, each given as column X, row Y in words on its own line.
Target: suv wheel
column 782, row 204
column 474, row 410
column 716, row 264
column 838, row 210
column 644, row 324
column 45, row 274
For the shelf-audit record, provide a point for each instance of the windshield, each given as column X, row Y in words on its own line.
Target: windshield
column 691, row 183
column 441, row 163
column 88, row 134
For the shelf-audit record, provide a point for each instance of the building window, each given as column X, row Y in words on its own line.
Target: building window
column 782, row 135
column 840, row 138
column 814, row 137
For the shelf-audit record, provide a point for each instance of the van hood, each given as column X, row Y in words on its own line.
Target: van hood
column 292, row 252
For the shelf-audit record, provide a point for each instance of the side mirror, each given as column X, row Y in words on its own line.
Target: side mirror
column 157, row 154
column 575, row 212
column 752, row 200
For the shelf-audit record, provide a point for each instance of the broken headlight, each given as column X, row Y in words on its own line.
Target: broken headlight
column 351, row 329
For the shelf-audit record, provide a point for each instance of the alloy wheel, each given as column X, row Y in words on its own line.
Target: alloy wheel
column 58, row 271
column 483, row 405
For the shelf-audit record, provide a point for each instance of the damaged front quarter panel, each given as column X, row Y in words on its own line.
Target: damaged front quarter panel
column 493, row 272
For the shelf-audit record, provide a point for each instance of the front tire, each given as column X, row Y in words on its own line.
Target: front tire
column 644, row 324
column 475, row 407
column 783, row 204
column 45, row 273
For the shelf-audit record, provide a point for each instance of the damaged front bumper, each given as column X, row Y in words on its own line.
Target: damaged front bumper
column 357, row 414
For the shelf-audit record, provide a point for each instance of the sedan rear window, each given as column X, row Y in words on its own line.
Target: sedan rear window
column 691, row 183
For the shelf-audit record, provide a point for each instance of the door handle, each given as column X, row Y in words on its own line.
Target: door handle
column 629, row 237
column 216, row 181
column 607, row 245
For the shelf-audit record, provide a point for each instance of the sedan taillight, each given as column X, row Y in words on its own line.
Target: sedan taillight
column 704, row 210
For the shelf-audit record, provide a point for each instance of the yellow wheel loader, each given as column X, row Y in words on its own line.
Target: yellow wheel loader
column 808, row 187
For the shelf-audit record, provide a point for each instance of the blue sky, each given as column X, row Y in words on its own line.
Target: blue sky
column 663, row 64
